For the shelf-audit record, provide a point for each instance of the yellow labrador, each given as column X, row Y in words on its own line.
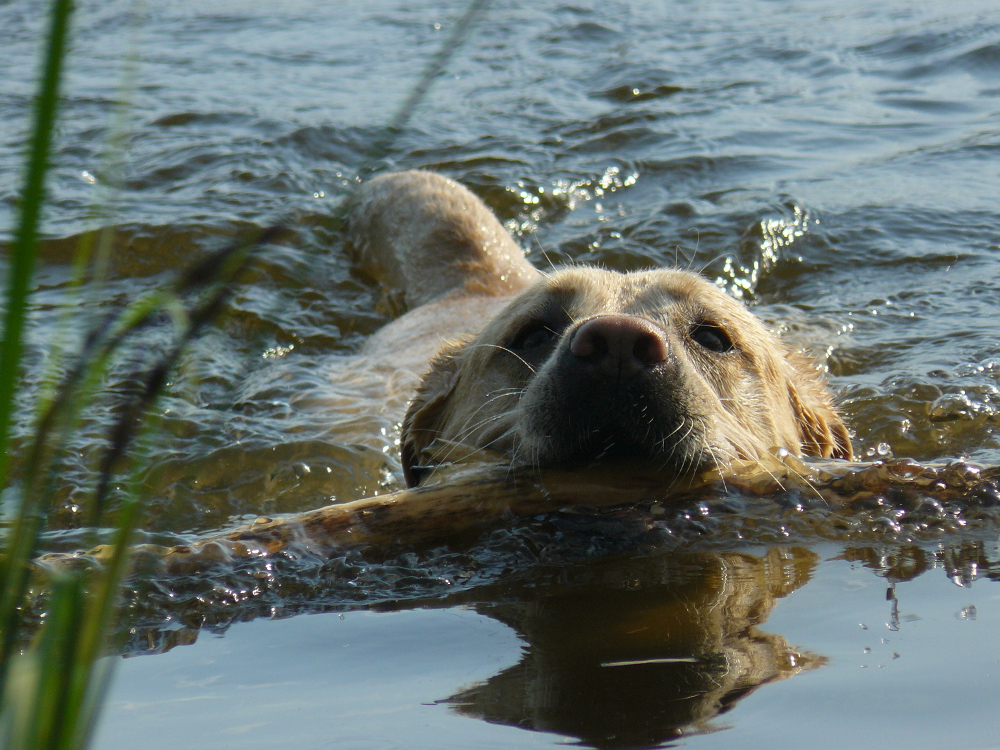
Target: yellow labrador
column 577, row 366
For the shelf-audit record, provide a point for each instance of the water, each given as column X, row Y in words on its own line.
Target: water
column 833, row 163
column 922, row 678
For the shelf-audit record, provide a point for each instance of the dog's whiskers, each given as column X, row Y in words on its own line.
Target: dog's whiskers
column 509, row 351
column 468, row 429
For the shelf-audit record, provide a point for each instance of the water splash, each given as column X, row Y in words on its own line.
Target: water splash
column 777, row 236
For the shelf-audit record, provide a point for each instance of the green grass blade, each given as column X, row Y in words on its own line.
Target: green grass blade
column 26, row 237
column 35, row 696
column 22, row 264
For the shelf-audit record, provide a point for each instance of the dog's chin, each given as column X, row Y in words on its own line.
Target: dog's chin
column 563, row 423
column 679, row 459
column 677, row 446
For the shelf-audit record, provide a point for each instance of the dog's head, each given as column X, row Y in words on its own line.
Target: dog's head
column 591, row 365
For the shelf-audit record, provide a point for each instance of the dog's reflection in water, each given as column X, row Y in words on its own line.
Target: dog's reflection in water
column 636, row 653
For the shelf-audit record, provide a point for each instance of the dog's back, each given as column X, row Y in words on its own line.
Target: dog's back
column 427, row 236
column 445, row 264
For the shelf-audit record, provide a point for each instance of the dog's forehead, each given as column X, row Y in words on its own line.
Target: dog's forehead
column 585, row 291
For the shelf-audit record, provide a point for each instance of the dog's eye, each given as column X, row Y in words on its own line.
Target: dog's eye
column 712, row 337
column 533, row 336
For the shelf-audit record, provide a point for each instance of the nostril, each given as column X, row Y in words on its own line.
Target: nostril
column 589, row 343
column 650, row 349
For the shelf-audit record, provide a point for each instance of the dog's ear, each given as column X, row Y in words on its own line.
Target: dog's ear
column 422, row 422
column 821, row 430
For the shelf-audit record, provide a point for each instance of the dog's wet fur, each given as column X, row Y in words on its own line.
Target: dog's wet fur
column 580, row 365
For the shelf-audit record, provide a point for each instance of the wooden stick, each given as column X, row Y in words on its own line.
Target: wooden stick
column 466, row 500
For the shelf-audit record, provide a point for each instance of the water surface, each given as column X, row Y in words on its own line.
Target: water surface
column 834, row 164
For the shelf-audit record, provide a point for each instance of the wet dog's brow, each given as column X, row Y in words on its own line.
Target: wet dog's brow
column 659, row 296
column 558, row 299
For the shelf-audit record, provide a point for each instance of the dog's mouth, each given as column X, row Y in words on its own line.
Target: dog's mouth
column 570, row 418
column 629, row 424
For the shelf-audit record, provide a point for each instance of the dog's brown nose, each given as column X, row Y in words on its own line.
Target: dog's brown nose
column 619, row 344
